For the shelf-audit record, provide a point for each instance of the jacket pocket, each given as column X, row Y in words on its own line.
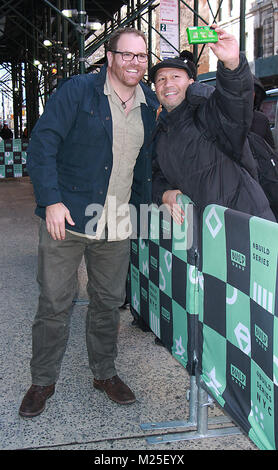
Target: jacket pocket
column 73, row 184
column 88, row 129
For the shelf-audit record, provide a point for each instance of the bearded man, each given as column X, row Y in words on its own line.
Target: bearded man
column 90, row 146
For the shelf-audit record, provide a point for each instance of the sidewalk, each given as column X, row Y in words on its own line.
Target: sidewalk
column 78, row 416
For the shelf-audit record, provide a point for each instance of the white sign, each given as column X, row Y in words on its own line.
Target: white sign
column 169, row 11
column 169, row 28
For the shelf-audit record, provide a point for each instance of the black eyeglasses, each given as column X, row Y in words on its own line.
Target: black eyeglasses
column 129, row 56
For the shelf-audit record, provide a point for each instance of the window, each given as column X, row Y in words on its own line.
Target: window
column 220, row 15
column 259, row 48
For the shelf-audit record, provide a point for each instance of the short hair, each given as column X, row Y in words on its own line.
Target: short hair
column 115, row 36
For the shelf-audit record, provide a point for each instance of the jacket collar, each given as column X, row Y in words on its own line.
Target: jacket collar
column 104, row 108
column 100, row 78
column 149, row 94
column 196, row 94
column 166, row 118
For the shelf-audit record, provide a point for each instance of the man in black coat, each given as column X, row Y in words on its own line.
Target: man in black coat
column 260, row 124
column 201, row 136
column 6, row 132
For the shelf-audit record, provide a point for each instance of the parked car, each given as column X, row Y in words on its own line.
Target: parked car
column 270, row 108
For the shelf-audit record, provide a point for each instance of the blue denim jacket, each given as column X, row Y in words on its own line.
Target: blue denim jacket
column 69, row 157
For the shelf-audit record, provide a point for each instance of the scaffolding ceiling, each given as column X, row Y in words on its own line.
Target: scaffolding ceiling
column 25, row 22
column 27, row 62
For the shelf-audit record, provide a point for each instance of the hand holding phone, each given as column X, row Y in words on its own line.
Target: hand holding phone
column 226, row 49
column 201, row 35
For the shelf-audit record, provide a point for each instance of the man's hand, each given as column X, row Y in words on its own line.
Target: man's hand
column 169, row 198
column 56, row 214
column 226, row 49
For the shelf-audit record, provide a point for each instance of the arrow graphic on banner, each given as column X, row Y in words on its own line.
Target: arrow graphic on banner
column 135, row 302
column 179, row 347
column 243, row 338
column 214, row 384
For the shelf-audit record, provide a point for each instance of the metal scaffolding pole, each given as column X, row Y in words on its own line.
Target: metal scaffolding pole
column 58, row 40
column 150, row 37
column 196, row 12
column 79, row 27
column 17, row 98
column 65, row 40
column 81, row 34
column 242, row 41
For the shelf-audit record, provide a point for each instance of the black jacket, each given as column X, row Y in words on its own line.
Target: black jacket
column 261, row 126
column 6, row 133
column 201, row 145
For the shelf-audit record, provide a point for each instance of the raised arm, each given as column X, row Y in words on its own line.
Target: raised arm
column 226, row 49
column 228, row 113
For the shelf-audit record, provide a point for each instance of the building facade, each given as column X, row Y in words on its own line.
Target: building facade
column 265, row 17
column 260, row 35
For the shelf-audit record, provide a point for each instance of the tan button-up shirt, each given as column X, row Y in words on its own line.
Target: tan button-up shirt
column 128, row 138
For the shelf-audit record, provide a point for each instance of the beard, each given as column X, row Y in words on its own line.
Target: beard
column 128, row 75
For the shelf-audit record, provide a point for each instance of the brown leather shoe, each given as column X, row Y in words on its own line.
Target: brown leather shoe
column 34, row 401
column 116, row 390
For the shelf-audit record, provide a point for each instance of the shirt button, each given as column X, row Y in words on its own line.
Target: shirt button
column 101, row 192
column 106, row 167
column 107, row 118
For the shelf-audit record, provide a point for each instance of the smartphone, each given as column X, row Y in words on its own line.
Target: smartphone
column 201, row 35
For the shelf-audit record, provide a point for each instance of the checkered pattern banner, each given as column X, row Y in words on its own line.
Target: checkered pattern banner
column 238, row 320
column 216, row 300
column 225, row 315
column 13, row 158
column 163, row 281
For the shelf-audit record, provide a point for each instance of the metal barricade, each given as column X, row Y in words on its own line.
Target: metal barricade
column 218, row 300
column 199, row 402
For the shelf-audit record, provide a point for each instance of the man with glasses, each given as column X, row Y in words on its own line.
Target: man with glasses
column 89, row 156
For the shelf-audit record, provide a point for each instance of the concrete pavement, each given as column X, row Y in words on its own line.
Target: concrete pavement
column 78, row 417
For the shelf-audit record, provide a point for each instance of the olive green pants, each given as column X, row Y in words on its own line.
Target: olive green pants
column 58, row 262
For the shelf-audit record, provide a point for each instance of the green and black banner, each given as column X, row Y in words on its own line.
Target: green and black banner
column 209, row 290
column 237, row 320
column 163, row 279
column 13, row 158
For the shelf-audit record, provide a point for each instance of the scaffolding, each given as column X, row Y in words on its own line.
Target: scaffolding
column 40, row 45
